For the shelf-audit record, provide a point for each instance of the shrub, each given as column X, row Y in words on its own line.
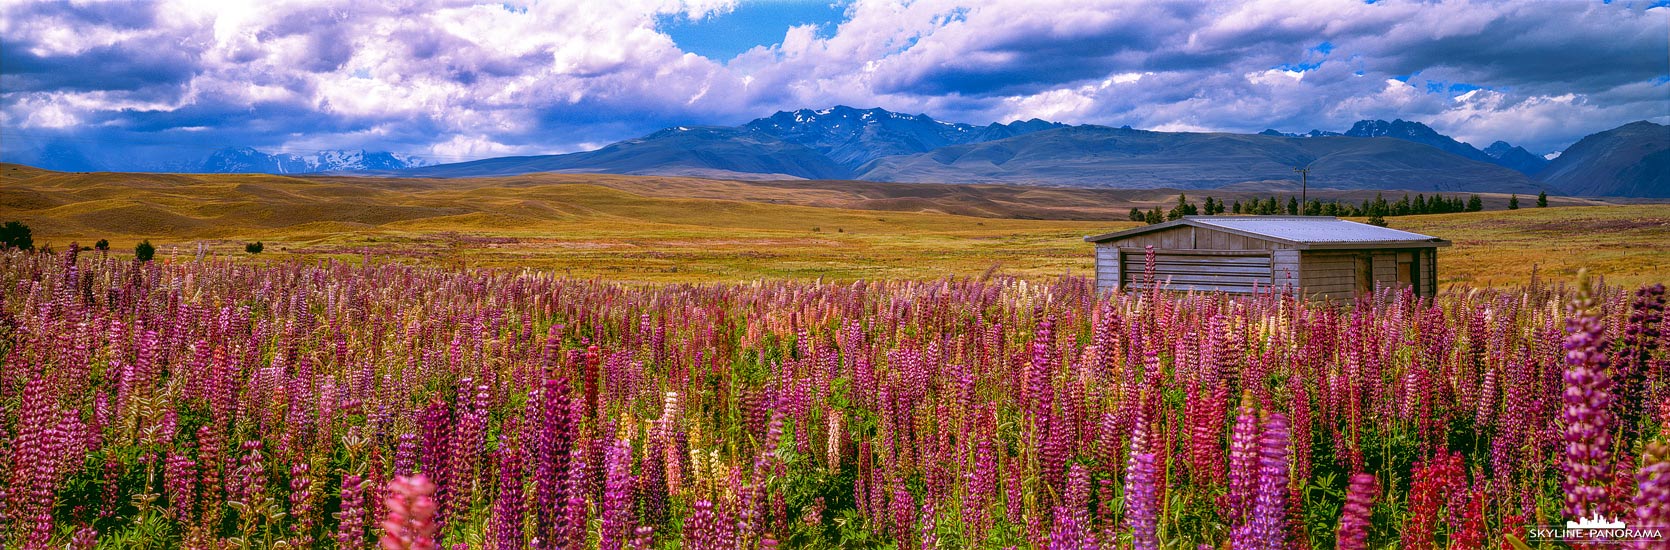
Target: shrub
column 144, row 251
column 102, row 246
column 1542, row 199
column 1377, row 220
column 255, row 247
column 16, row 235
column 1513, row 202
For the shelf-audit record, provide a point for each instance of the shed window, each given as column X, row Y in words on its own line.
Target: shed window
column 1365, row 273
column 1407, row 270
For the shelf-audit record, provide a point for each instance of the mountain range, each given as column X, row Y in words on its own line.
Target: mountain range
column 231, row 160
column 245, row 159
column 845, row 143
column 879, row 145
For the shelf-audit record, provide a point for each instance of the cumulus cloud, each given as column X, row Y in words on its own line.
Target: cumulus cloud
column 456, row 80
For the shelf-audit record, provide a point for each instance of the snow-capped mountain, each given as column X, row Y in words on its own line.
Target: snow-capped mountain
column 1515, row 157
column 249, row 160
column 853, row 137
column 1312, row 133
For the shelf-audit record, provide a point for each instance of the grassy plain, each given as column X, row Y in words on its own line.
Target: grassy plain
column 664, row 229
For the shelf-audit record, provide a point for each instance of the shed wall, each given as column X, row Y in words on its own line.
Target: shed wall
column 1329, row 274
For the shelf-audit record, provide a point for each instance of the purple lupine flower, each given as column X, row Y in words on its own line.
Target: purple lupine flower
column 643, row 538
column 1141, row 502
column 1355, row 514
column 1243, row 460
column 616, row 509
column 1652, row 496
column 1266, row 528
column 552, row 469
column 351, row 520
column 701, row 528
column 507, row 508
column 1588, row 411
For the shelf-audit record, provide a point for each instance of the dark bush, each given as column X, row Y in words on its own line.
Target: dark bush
column 16, row 235
column 144, row 251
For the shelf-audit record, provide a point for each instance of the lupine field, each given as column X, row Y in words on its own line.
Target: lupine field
column 213, row 404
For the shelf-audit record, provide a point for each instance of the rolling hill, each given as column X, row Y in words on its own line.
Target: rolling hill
column 1632, row 160
column 677, row 229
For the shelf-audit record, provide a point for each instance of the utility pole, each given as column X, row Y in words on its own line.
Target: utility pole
column 1304, row 186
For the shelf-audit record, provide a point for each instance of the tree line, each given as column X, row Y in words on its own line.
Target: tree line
column 1376, row 210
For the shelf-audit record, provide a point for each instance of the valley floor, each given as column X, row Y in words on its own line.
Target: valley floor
column 653, row 229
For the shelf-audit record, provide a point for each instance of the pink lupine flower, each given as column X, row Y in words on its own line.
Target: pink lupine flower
column 410, row 524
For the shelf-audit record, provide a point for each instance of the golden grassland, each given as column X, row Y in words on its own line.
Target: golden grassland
column 663, row 229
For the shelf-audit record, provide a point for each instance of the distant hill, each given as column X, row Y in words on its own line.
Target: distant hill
column 1099, row 156
column 1632, row 160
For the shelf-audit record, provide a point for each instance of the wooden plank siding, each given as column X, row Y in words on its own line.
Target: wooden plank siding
column 1330, row 275
column 1203, row 270
column 1429, row 272
column 1385, row 268
column 1107, row 266
column 1286, row 269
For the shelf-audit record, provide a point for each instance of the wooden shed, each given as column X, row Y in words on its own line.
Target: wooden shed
column 1320, row 256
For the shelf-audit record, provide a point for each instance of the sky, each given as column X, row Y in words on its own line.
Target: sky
column 133, row 84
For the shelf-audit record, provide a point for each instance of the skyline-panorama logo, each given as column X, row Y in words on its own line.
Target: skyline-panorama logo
column 1595, row 529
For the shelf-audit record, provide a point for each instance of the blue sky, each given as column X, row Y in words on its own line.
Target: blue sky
column 160, row 84
column 723, row 36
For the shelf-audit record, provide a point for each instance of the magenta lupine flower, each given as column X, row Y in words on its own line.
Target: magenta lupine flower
column 702, row 529
column 180, row 479
column 616, row 509
column 351, row 520
column 410, row 524
column 1072, row 519
column 1243, row 460
column 903, row 508
column 1265, row 529
column 1652, row 496
column 507, row 508
column 557, row 433
column 1588, row 411
column 1641, row 336
column 643, row 538
column 1355, row 514
column 301, row 505
column 1141, row 501
column 251, row 473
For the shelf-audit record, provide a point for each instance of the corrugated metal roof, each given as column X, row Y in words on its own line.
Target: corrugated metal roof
column 1305, row 231
column 1311, row 229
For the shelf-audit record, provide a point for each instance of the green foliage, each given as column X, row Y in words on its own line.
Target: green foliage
column 1542, row 199
column 256, row 247
column 102, row 246
column 1513, row 202
column 1475, row 204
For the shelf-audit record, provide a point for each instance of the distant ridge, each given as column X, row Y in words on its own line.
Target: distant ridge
column 1632, row 160
column 875, row 144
